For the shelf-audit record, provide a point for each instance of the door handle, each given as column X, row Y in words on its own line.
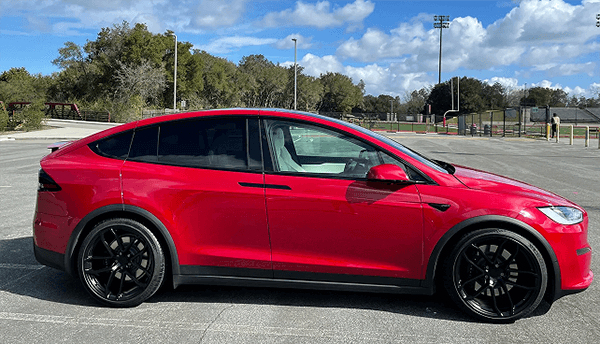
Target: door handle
column 266, row 186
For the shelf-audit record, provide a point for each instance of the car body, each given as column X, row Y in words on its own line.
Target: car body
column 268, row 197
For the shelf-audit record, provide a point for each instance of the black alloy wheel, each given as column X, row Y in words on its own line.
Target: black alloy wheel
column 121, row 263
column 496, row 275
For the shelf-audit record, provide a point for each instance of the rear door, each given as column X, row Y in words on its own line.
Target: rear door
column 203, row 179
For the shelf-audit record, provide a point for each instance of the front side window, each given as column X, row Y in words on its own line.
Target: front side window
column 305, row 148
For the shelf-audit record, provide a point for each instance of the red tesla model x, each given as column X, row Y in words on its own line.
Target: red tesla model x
column 290, row 199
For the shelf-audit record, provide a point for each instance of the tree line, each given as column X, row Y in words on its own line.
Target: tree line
column 127, row 69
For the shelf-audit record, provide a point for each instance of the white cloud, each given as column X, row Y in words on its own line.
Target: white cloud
column 217, row 13
column 509, row 83
column 393, row 80
column 225, row 45
column 287, row 43
column 321, row 15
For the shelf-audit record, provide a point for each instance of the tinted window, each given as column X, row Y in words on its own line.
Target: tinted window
column 144, row 145
column 213, row 143
column 116, row 146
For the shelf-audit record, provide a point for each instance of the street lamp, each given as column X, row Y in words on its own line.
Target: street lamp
column 295, row 74
column 175, row 74
column 442, row 22
column 175, row 77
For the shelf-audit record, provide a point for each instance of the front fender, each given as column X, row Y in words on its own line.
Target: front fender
column 487, row 221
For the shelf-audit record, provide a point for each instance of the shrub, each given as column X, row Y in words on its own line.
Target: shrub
column 3, row 118
column 31, row 117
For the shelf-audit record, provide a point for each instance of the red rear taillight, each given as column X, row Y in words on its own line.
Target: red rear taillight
column 46, row 183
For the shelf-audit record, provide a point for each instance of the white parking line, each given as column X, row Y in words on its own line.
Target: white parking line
column 21, row 266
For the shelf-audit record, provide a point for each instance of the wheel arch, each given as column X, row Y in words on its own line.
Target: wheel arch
column 121, row 211
column 444, row 246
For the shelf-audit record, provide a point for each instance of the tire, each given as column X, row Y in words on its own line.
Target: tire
column 121, row 263
column 495, row 275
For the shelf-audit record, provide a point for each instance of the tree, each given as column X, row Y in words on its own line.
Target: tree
column 339, row 93
column 17, row 84
column 414, row 102
column 494, row 96
column 220, row 78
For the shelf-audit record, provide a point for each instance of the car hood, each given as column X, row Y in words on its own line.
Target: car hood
column 486, row 181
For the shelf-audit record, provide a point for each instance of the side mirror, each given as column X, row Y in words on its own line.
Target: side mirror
column 388, row 173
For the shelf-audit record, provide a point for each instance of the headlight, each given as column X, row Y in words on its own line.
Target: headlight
column 563, row 215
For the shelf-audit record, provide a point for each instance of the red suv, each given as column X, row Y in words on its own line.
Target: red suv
column 289, row 199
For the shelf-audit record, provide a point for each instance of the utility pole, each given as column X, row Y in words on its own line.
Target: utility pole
column 441, row 22
column 295, row 74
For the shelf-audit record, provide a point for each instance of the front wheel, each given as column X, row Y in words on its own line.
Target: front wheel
column 121, row 263
column 496, row 275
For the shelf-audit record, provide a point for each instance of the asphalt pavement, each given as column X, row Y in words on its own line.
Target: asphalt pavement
column 41, row 304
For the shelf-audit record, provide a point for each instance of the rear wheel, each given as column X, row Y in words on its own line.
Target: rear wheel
column 121, row 263
column 496, row 275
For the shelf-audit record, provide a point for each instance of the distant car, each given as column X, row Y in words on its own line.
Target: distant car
column 290, row 199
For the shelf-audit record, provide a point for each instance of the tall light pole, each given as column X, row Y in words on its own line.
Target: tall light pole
column 442, row 22
column 175, row 77
column 295, row 74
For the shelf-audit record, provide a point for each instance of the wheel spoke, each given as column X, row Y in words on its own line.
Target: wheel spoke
column 135, row 280
column 121, row 286
column 107, row 246
column 498, row 311
column 131, row 244
column 99, row 271
column 109, row 282
column 473, row 279
column 479, row 292
column 483, row 253
column 139, row 267
column 464, row 255
column 499, row 250
column 119, row 240
column 512, row 305
column 138, row 254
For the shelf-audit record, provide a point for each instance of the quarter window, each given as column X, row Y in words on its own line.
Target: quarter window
column 116, row 146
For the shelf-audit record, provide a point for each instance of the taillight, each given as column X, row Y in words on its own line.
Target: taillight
column 46, row 183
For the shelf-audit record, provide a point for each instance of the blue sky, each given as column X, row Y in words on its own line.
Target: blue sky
column 391, row 45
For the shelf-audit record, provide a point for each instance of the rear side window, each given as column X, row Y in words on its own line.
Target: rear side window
column 212, row 143
column 116, row 146
column 144, row 145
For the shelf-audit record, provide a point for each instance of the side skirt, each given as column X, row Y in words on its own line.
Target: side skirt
column 301, row 280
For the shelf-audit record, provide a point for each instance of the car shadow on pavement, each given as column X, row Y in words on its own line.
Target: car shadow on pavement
column 21, row 274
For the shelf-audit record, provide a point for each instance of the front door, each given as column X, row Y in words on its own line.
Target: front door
column 326, row 221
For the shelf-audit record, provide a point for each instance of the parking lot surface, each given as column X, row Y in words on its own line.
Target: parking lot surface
column 41, row 304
